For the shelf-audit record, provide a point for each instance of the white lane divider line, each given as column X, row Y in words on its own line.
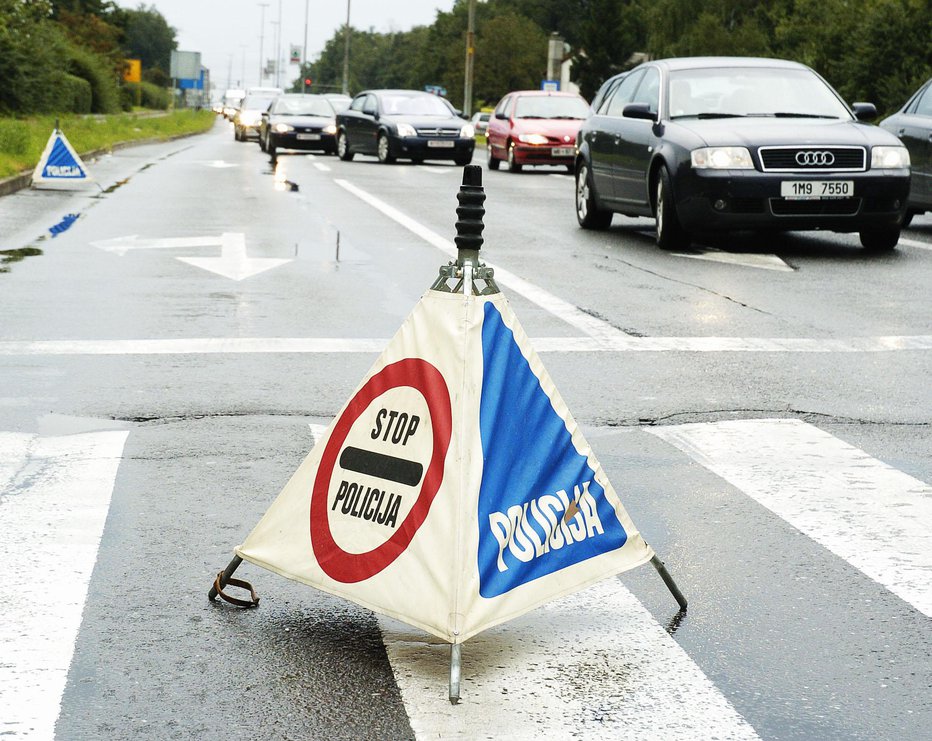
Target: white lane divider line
column 916, row 243
column 54, row 497
column 328, row 345
column 322, row 167
column 610, row 672
column 872, row 515
column 561, row 309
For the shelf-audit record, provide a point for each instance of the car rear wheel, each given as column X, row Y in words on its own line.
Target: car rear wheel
column 384, row 152
column 513, row 166
column 670, row 233
column 588, row 214
column 343, row 150
column 493, row 162
column 880, row 240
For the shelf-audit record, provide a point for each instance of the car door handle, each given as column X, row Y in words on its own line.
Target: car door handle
column 901, row 132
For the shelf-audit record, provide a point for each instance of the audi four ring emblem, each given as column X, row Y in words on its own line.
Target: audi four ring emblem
column 815, row 158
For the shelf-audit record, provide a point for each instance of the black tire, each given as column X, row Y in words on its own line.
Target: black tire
column 588, row 213
column 880, row 240
column 670, row 233
column 384, row 150
column 512, row 165
column 236, row 134
column 271, row 147
column 493, row 162
column 261, row 141
column 463, row 160
column 343, row 150
column 907, row 219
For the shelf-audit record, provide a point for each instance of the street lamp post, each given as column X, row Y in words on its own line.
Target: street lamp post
column 470, row 55
column 304, row 63
column 278, row 47
column 346, row 52
column 261, row 38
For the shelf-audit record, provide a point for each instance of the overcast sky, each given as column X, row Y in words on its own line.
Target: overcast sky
column 227, row 32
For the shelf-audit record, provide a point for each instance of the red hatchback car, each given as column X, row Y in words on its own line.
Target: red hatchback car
column 535, row 127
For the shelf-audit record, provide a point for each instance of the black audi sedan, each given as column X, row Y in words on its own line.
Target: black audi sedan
column 297, row 121
column 913, row 125
column 718, row 144
column 406, row 124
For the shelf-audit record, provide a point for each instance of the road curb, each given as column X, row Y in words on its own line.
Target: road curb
column 23, row 180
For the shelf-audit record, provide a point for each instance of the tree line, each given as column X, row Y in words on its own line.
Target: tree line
column 873, row 50
column 67, row 56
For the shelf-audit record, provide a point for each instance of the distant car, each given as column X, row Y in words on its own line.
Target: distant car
column 535, row 127
column 298, row 122
column 913, row 125
column 408, row 124
column 480, row 121
column 339, row 101
column 232, row 99
column 249, row 115
column 718, row 144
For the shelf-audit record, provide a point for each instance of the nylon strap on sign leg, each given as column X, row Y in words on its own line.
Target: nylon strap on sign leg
column 253, row 601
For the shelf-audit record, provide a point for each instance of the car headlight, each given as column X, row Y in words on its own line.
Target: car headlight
column 722, row 158
column 889, row 158
column 281, row 128
column 468, row 131
column 406, row 130
column 532, row 138
column 330, row 129
column 248, row 118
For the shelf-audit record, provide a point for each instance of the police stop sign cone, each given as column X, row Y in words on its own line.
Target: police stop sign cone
column 454, row 490
column 60, row 167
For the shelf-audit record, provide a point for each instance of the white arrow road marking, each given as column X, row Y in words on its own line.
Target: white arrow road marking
column 54, row 497
column 122, row 245
column 867, row 512
column 612, row 674
column 746, row 259
column 233, row 262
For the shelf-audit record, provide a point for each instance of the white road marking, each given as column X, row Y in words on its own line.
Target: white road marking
column 54, row 498
column 872, row 515
column 322, row 167
column 916, row 243
column 592, row 665
column 563, row 310
column 311, row 345
column 122, row 245
column 233, row 262
column 748, row 260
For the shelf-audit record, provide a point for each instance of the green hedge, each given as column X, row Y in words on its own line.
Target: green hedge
column 105, row 91
column 154, row 96
column 76, row 94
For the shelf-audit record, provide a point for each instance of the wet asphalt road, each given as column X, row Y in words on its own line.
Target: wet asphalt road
column 803, row 644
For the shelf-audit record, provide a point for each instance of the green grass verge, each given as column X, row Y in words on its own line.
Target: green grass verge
column 23, row 140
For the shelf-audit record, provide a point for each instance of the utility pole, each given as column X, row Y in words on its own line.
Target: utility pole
column 278, row 47
column 470, row 56
column 304, row 71
column 346, row 51
column 261, row 40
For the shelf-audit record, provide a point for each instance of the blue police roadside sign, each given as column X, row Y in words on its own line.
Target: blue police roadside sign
column 60, row 167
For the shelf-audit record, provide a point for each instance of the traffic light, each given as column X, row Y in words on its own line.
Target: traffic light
column 307, row 82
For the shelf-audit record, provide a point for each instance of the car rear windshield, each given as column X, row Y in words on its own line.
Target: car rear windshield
column 752, row 91
column 257, row 102
column 550, row 106
column 304, row 107
column 399, row 104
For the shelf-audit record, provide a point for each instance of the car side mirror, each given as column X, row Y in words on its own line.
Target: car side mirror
column 864, row 111
column 371, row 112
column 639, row 110
column 501, row 116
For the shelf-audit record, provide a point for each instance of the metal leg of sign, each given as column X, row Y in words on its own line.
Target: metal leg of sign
column 455, row 653
column 668, row 580
column 225, row 577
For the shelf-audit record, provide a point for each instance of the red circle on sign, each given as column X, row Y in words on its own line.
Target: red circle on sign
column 347, row 567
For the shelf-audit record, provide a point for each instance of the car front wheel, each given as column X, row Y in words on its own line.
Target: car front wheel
column 670, row 233
column 271, row 147
column 343, row 150
column 493, row 163
column 588, row 214
column 880, row 240
column 384, row 151
column 513, row 165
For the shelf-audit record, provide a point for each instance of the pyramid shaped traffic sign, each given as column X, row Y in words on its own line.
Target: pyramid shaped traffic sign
column 60, row 167
column 454, row 490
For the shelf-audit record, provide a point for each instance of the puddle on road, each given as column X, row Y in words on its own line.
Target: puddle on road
column 280, row 177
column 11, row 256
column 64, row 225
